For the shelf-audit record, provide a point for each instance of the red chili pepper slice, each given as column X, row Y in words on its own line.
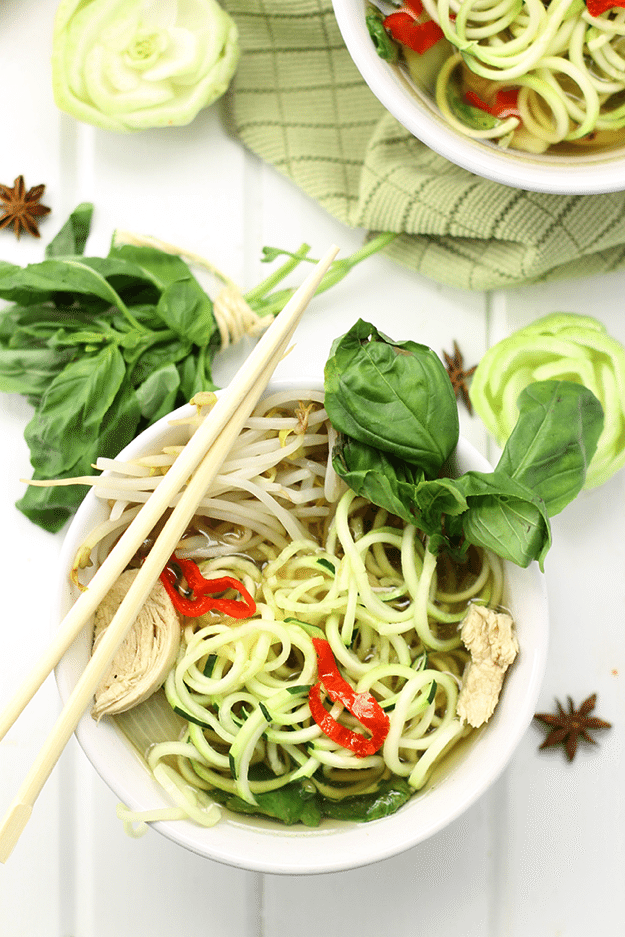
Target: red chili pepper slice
column 505, row 103
column 597, row 7
column 406, row 29
column 204, row 591
column 475, row 101
column 362, row 705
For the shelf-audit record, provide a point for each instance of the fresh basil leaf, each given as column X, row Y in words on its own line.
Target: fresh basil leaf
column 167, row 351
column 72, row 237
column 298, row 802
column 389, row 483
column 8, row 273
column 195, row 373
column 24, row 325
column 435, row 498
column 553, row 441
column 28, row 371
column 161, row 267
column 386, row 800
column 51, row 507
column 394, row 396
column 293, row 803
column 157, row 394
column 487, row 509
column 64, row 337
column 119, row 424
column 386, row 48
column 185, row 308
column 135, row 284
column 505, row 516
column 68, row 420
column 513, row 528
column 69, row 276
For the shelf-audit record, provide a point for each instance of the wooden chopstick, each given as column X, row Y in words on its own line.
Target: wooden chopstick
column 197, row 465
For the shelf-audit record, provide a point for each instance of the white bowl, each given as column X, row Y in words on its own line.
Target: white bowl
column 417, row 111
column 260, row 845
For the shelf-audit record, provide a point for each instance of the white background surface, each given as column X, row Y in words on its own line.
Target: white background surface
column 542, row 854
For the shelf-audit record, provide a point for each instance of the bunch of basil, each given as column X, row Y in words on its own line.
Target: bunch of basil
column 104, row 346
column 395, row 409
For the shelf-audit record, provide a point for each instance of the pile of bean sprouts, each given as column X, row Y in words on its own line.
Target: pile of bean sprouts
column 312, row 554
column 568, row 65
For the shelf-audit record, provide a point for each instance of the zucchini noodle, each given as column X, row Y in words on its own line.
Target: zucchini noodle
column 568, row 66
column 233, row 719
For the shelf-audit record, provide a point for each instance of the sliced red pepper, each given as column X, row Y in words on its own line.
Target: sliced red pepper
column 597, row 7
column 406, row 29
column 361, row 705
column 204, row 590
column 505, row 103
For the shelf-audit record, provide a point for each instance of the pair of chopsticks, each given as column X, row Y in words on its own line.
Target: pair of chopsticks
column 196, row 467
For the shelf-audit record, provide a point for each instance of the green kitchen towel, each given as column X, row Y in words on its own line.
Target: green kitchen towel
column 298, row 101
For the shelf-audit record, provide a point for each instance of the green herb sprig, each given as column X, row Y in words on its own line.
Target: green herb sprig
column 393, row 404
column 104, row 346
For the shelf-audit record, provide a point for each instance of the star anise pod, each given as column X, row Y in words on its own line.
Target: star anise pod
column 566, row 728
column 22, row 208
column 458, row 375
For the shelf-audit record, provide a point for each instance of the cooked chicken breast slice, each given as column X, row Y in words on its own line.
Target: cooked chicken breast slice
column 490, row 638
column 147, row 654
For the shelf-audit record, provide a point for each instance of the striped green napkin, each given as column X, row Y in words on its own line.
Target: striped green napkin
column 299, row 102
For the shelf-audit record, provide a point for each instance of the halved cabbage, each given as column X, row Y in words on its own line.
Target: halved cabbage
column 561, row 346
column 128, row 65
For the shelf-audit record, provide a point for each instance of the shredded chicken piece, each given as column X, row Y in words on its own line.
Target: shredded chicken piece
column 491, row 641
column 147, row 654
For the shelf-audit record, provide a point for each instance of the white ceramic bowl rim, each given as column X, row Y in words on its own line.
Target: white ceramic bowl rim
column 259, row 845
column 417, row 112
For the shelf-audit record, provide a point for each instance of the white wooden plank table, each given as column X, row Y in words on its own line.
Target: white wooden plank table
column 542, row 853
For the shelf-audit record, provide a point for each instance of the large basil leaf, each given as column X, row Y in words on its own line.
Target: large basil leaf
column 394, row 396
column 505, row 516
column 513, row 528
column 157, row 394
column 72, row 410
column 195, row 372
column 386, row 800
column 168, row 351
column 119, row 423
column 553, row 441
column 51, row 507
column 72, row 237
column 35, row 282
column 29, row 371
column 293, row 803
column 163, row 268
column 185, row 308
column 387, row 482
column 298, row 802
column 23, row 326
column 134, row 283
column 489, row 510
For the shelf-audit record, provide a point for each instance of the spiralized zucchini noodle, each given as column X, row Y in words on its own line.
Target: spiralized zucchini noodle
column 233, row 720
column 568, row 67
